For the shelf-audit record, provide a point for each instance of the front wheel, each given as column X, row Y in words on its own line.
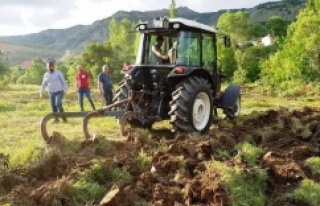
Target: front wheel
column 191, row 106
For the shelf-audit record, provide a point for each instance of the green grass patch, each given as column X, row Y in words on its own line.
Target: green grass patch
column 93, row 183
column 314, row 164
column 87, row 191
column 249, row 152
column 143, row 161
column 243, row 189
column 6, row 107
column 307, row 191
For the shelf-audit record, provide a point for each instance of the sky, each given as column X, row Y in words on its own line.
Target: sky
column 18, row 17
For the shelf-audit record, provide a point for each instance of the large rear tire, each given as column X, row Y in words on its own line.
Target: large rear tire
column 122, row 93
column 191, row 106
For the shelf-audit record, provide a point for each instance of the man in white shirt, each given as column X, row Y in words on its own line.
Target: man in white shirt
column 56, row 83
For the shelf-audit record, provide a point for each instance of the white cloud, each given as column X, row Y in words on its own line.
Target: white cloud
column 23, row 17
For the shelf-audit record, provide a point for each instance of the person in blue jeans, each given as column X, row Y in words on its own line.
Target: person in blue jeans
column 83, row 86
column 56, row 83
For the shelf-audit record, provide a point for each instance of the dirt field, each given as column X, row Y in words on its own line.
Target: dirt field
column 179, row 172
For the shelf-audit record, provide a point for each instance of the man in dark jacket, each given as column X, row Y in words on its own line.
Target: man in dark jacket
column 105, row 84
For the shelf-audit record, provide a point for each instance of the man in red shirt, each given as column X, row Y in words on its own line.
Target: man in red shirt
column 83, row 86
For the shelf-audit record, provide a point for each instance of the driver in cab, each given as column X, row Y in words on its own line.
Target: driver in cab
column 157, row 55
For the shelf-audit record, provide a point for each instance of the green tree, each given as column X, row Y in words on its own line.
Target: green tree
column 172, row 9
column 13, row 75
column 227, row 61
column 235, row 24
column 277, row 26
column 33, row 74
column 3, row 67
column 256, row 31
column 298, row 62
column 95, row 56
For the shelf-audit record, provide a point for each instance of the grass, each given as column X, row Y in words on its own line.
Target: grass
column 314, row 164
column 21, row 111
column 143, row 161
column 92, row 184
column 242, row 189
column 307, row 191
column 249, row 152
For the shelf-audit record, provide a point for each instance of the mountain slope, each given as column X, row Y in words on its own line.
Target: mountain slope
column 77, row 37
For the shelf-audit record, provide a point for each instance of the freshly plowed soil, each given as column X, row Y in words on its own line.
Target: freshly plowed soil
column 178, row 174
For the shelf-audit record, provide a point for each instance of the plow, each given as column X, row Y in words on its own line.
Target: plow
column 185, row 90
column 111, row 110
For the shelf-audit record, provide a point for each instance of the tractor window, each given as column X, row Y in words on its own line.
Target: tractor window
column 150, row 57
column 188, row 51
column 208, row 51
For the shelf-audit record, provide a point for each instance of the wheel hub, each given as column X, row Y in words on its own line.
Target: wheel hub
column 201, row 111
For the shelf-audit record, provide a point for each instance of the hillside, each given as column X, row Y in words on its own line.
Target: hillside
column 15, row 53
column 77, row 37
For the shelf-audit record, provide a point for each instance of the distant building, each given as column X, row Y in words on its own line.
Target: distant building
column 267, row 40
column 26, row 64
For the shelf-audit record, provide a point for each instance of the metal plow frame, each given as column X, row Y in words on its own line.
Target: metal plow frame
column 86, row 116
column 123, row 116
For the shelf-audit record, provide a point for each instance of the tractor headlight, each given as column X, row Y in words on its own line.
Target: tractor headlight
column 176, row 26
column 142, row 26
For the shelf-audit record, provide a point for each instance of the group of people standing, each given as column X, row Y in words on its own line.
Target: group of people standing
column 54, row 80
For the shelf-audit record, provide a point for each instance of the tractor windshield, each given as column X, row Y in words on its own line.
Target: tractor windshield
column 186, row 48
column 196, row 49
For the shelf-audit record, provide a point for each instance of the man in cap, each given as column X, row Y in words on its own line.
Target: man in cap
column 56, row 83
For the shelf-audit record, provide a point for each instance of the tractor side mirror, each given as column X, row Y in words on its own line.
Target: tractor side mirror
column 227, row 41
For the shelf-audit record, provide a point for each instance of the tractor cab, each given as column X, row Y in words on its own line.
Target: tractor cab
column 189, row 43
column 187, row 48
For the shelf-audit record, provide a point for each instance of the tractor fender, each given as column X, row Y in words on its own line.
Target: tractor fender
column 230, row 96
column 175, row 77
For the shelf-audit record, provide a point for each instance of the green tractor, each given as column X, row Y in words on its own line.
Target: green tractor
column 182, row 83
column 177, row 80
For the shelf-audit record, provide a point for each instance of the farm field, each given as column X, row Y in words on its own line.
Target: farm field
column 268, row 156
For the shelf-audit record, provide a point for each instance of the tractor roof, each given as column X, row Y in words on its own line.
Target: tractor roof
column 192, row 24
column 174, row 23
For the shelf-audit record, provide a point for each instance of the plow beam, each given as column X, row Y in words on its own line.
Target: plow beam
column 106, row 111
column 85, row 115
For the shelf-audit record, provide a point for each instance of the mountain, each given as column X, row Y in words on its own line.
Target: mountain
column 77, row 37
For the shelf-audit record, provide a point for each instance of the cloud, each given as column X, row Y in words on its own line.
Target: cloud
column 37, row 13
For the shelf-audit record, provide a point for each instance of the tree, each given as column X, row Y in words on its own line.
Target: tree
column 3, row 67
column 96, row 55
column 298, row 62
column 119, row 48
column 235, row 24
column 277, row 26
column 227, row 61
column 172, row 9
column 33, row 74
